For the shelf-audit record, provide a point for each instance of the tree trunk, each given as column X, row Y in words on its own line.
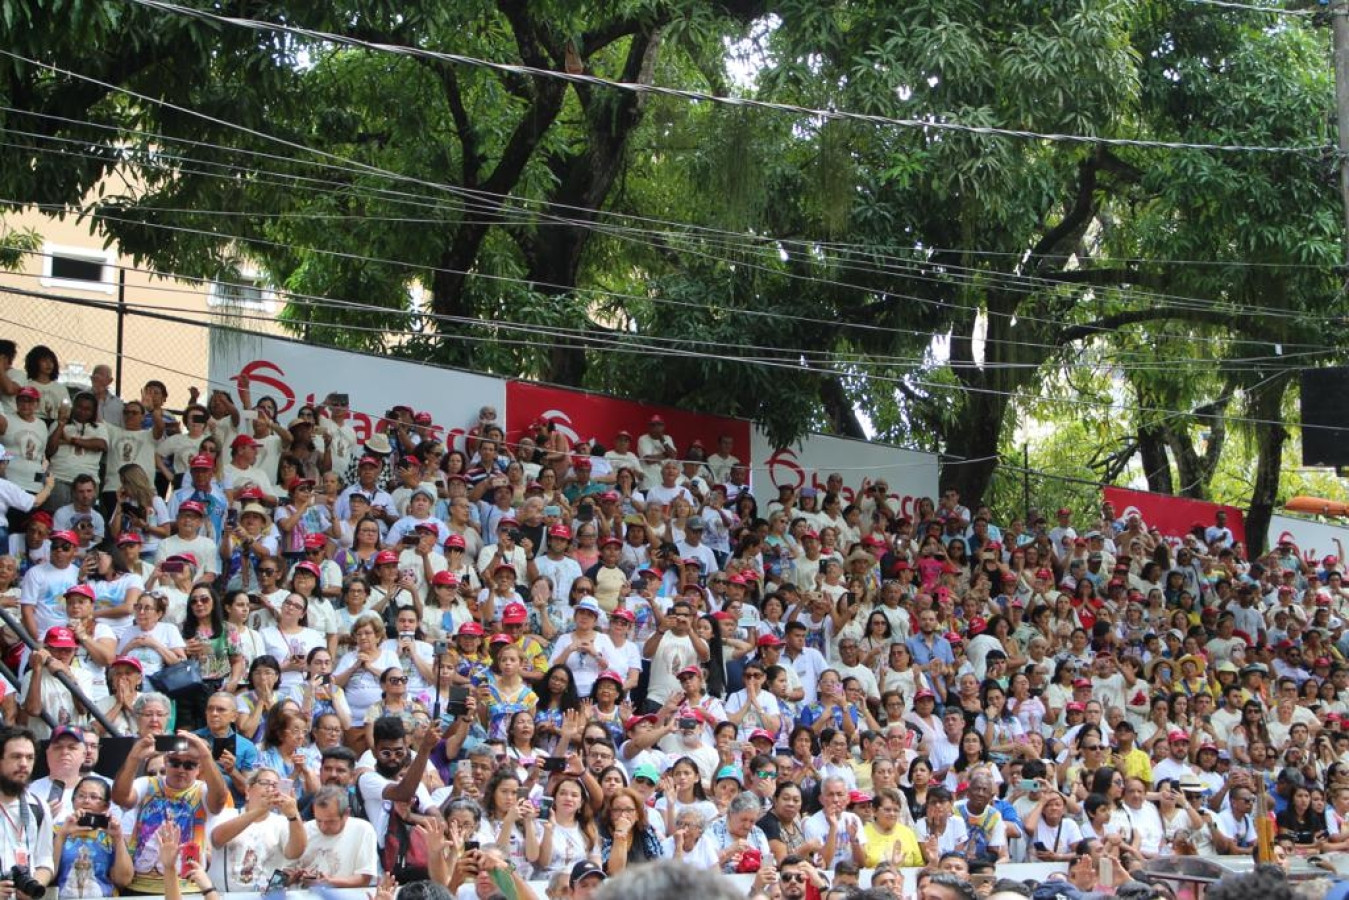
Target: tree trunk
column 974, row 437
column 584, row 181
column 1156, row 464
column 1266, row 406
column 843, row 419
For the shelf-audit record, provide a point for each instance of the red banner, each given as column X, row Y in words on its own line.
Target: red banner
column 584, row 416
column 1173, row 516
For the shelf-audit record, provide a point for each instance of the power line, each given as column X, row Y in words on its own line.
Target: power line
column 936, row 273
column 647, row 298
column 636, row 87
column 864, row 361
column 670, row 227
column 624, row 347
column 941, row 273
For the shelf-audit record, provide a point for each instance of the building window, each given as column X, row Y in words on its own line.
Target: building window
column 242, row 292
column 79, row 269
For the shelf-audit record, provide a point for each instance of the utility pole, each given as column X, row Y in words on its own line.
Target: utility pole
column 1339, row 28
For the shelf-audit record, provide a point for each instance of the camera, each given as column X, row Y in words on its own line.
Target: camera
column 25, row 883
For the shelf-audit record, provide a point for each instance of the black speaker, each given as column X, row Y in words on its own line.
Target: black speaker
column 1325, row 417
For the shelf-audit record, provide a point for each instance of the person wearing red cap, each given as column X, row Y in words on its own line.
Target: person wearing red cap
column 243, row 470
column 97, row 641
column 556, row 563
column 367, row 482
column 41, row 597
column 189, row 537
column 204, row 489
column 25, row 435
column 42, row 692
column 506, row 551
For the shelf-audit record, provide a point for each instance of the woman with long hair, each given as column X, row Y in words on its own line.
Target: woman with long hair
column 520, row 749
column 802, row 767
column 556, row 695
column 215, row 649
column 682, row 789
column 1001, row 729
column 359, row 556
column 509, row 821
column 625, row 837
column 248, row 640
column 920, row 780
column 783, row 825
column 569, row 833
column 139, row 509
column 505, row 692
column 264, row 681
column 290, row 639
column 973, row 751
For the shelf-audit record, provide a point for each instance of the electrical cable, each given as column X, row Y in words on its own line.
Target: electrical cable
column 722, row 100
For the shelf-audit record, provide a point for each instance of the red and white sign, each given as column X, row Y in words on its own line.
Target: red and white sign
column 1314, row 541
column 295, row 374
column 580, row 415
column 1173, row 516
column 909, row 474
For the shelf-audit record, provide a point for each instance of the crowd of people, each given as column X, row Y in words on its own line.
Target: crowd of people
column 526, row 659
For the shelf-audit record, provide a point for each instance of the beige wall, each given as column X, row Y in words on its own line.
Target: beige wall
column 83, row 337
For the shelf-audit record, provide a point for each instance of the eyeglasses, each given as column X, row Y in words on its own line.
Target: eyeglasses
column 145, row 607
column 766, row 773
column 269, row 783
column 182, row 763
column 790, row 877
column 1091, row 746
column 291, row 604
column 267, row 571
column 204, row 598
column 391, row 753
column 396, row 679
column 629, row 810
column 62, row 545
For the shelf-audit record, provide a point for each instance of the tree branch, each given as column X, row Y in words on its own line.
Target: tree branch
column 1133, row 316
column 1083, row 208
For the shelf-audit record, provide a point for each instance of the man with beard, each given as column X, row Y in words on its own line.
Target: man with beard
column 178, row 796
column 26, row 838
column 391, row 780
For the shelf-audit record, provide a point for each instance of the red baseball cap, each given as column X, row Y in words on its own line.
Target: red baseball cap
column 560, row 531
column 129, row 537
column 60, row 637
column 202, row 461
column 469, row 629
column 306, row 567
column 769, row 640
column 189, row 558
column 977, row 626
column 455, row 540
column 29, row 393
column 243, row 440
column 688, row 670
column 623, row 613
column 386, row 557
column 514, row 613
column 84, row 590
column 191, row 506
column 315, row 542
column 445, row 578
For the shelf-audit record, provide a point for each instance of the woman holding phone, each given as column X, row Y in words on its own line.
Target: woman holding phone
column 89, row 848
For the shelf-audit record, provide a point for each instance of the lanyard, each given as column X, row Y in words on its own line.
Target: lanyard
column 19, row 829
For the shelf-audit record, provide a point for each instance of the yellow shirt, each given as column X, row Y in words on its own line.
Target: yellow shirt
column 899, row 847
column 1135, row 764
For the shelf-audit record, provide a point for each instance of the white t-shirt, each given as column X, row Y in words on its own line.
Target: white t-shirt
column 44, row 588
column 955, row 834
column 56, row 699
column 371, row 785
column 247, row 862
column 817, row 829
column 585, row 667
column 36, row 842
column 69, row 462
column 284, row 646
column 14, row 497
column 672, row 654
column 27, row 441
column 165, row 633
column 125, row 448
column 350, row 852
column 202, row 547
